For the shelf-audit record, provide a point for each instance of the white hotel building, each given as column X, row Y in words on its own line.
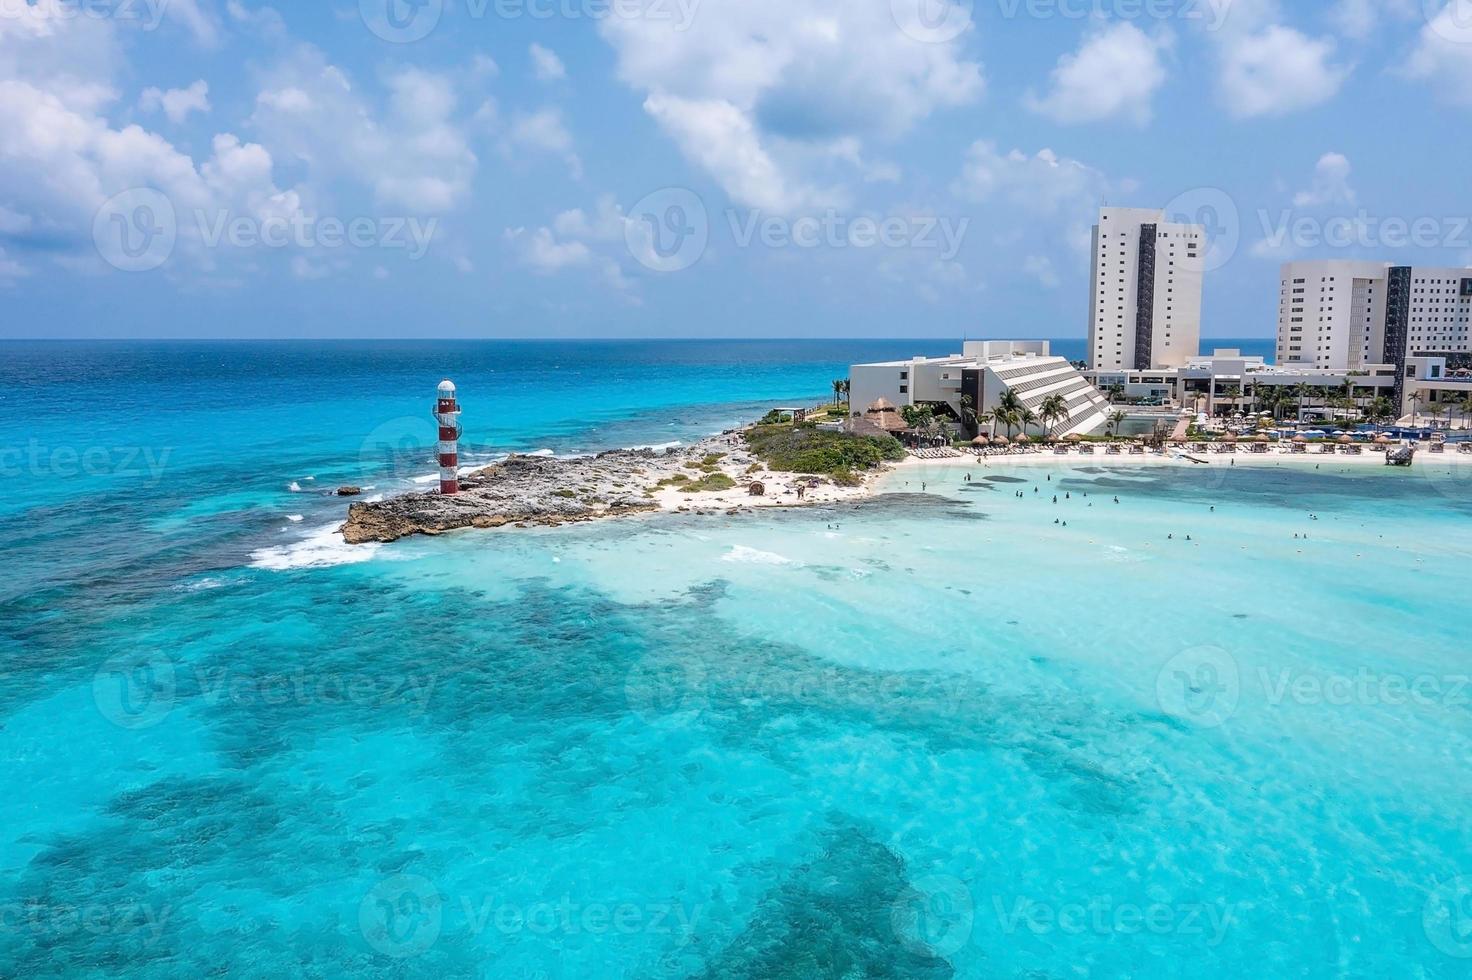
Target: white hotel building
column 1348, row 315
column 1145, row 306
column 981, row 373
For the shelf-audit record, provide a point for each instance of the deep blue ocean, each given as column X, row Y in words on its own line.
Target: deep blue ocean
column 1220, row 728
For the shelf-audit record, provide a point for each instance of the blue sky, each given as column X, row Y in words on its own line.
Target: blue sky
column 613, row 168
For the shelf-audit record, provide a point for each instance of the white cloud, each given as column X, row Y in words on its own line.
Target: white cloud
column 414, row 155
column 177, row 103
column 1360, row 18
column 782, row 85
column 596, row 242
column 1043, row 182
column 1443, row 54
column 546, row 65
column 1330, row 184
column 1115, row 74
column 195, row 20
column 10, row 270
column 1040, row 267
column 1266, row 68
column 724, row 140
column 1278, row 70
column 61, row 157
column 543, row 131
column 265, row 21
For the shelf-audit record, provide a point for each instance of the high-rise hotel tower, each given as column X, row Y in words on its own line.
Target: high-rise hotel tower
column 1145, row 310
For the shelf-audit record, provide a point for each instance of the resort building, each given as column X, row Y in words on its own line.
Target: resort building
column 1145, row 308
column 1225, row 382
column 1340, row 314
column 978, row 377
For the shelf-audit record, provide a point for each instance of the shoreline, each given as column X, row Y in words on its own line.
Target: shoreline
column 540, row 491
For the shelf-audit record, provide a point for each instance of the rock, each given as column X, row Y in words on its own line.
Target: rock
column 349, row 491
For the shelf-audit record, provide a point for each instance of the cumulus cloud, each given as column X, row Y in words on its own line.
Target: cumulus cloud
column 596, row 242
column 1330, row 184
column 414, row 154
column 1266, row 68
column 177, row 103
column 543, row 131
column 1114, row 75
column 546, row 65
column 1278, row 71
column 785, row 87
column 61, row 157
column 1040, row 267
column 1043, row 182
column 1443, row 55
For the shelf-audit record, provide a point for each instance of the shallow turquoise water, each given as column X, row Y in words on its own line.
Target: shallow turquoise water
column 932, row 734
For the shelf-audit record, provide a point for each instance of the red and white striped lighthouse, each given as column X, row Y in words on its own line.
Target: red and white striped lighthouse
column 447, row 414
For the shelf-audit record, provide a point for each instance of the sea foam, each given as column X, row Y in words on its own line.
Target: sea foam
column 319, row 549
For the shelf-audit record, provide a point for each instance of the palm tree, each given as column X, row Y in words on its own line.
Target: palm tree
column 1232, row 392
column 1115, row 419
column 1025, row 417
column 1416, row 399
column 1116, row 391
column 1380, row 412
column 989, row 419
column 837, row 391
column 1464, row 408
column 1054, row 408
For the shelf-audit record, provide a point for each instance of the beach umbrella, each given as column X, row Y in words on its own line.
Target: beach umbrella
column 1073, row 437
column 1023, row 437
column 1344, row 440
column 1229, row 437
column 981, row 441
column 1383, row 440
column 1263, row 437
column 1001, row 440
column 1300, row 438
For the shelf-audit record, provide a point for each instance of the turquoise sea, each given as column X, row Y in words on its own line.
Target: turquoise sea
column 1219, row 728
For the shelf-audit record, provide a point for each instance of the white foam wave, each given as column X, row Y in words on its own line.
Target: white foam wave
column 321, row 547
column 660, row 447
column 294, row 518
column 752, row 556
column 201, row 585
column 294, row 487
column 432, row 478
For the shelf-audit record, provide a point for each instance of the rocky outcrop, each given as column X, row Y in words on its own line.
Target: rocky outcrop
column 521, row 490
column 349, row 491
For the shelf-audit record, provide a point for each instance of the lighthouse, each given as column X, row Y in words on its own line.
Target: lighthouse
column 447, row 414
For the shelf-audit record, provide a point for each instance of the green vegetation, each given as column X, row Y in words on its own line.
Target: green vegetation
column 710, row 483
column 806, row 449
